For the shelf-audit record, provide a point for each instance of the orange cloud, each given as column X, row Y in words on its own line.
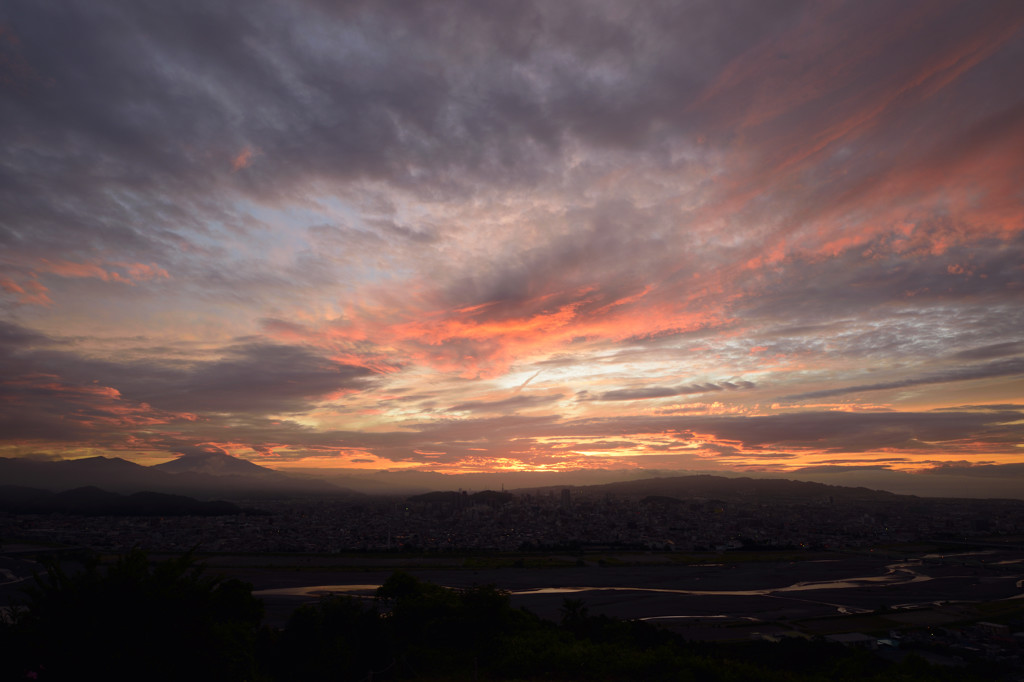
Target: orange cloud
column 244, row 159
column 93, row 406
column 141, row 272
column 134, row 272
column 794, row 75
column 31, row 291
column 63, row 268
column 478, row 346
column 484, row 340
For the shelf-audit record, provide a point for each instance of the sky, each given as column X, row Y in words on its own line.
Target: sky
column 535, row 236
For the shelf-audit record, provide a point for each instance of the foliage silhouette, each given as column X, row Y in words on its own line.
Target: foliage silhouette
column 134, row 620
column 338, row 638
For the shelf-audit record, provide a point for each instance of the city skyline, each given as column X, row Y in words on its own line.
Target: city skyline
column 465, row 238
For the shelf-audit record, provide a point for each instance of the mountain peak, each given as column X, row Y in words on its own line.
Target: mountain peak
column 214, row 464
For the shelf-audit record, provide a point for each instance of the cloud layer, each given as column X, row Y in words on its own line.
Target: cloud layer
column 476, row 236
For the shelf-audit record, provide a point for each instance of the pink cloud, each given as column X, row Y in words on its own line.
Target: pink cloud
column 31, row 291
column 243, row 159
column 485, row 340
column 141, row 272
column 133, row 272
column 63, row 268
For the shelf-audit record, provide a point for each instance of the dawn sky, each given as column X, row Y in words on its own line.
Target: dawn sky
column 472, row 236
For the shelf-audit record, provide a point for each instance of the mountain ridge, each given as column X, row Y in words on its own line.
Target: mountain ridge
column 746, row 488
column 93, row 501
column 190, row 478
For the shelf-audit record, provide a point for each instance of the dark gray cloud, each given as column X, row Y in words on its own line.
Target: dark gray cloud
column 995, row 350
column 968, row 469
column 998, row 368
column 997, row 407
column 839, row 468
column 921, row 293
column 668, row 391
column 61, row 395
column 252, row 378
column 864, row 432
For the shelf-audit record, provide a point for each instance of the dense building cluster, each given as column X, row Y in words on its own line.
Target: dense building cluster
column 547, row 520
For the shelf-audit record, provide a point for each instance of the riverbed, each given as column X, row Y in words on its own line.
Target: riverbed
column 751, row 591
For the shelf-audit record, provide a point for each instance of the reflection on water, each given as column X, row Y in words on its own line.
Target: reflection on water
column 314, row 590
column 896, row 573
column 982, row 552
column 717, row 616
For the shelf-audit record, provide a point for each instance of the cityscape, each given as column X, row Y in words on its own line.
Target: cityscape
column 552, row 520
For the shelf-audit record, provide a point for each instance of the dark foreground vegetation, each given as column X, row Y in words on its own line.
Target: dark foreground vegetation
column 134, row 619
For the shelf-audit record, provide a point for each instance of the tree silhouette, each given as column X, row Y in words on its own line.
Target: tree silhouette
column 134, row 620
column 573, row 611
column 337, row 638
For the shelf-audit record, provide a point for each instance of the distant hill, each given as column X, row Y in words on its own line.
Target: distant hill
column 415, row 482
column 773, row 490
column 984, row 482
column 203, row 475
column 92, row 501
column 456, row 499
column 109, row 473
column 218, row 475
